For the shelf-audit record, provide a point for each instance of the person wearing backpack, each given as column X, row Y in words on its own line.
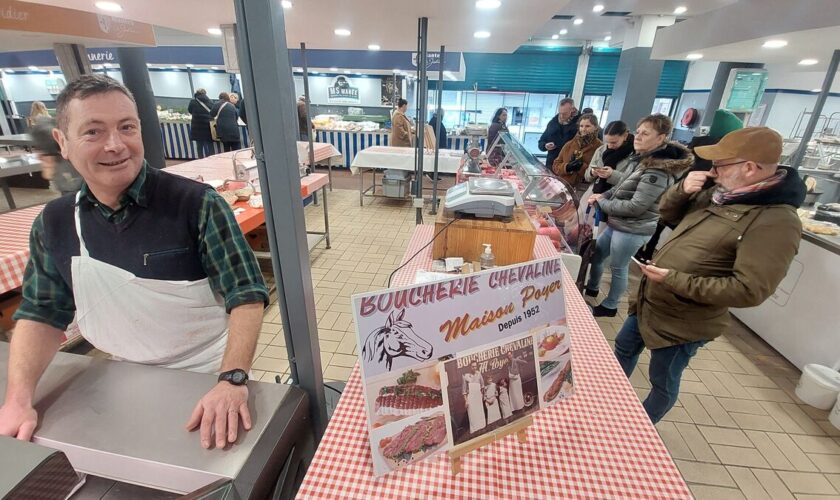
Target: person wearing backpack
column 199, row 108
column 632, row 206
column 227, row 122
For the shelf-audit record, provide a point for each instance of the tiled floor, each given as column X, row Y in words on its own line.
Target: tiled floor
column 738, row 430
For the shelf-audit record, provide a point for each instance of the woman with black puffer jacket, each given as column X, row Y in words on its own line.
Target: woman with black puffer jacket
column 633, row 206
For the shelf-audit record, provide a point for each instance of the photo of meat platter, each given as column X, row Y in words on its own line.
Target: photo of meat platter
column 552, row 341
column 556, row 381
column 398, row 445
column 396, row 396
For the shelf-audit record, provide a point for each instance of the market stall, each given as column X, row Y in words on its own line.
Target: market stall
column 350, row 143
column 399, row 159
column 18, row 165
column 599, row 443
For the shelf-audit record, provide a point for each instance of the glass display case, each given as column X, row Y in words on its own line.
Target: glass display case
column 550, row 202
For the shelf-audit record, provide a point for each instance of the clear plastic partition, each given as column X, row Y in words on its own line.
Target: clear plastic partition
column 549, row 201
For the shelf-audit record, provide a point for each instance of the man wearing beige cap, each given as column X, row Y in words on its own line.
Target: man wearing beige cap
column 731, row 247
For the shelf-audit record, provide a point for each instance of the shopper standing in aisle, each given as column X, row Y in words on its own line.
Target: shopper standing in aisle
column 560, row 130
column 442, row 139
column 632, row 206
column 199, row 107
column 497, row 124
column 227, row 122
column 610, row 162
column 401, row 126
column 37, row 111
column 576, row 154
column 153, row 266
column 732, row 246
column 722, row 123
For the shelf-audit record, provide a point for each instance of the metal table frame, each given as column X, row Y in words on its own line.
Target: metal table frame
column 12, row 171
column 370, row 191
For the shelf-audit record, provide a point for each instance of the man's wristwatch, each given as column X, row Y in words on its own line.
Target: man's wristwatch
column 235, row 377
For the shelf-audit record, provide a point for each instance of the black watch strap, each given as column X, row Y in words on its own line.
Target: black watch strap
column 235, row 377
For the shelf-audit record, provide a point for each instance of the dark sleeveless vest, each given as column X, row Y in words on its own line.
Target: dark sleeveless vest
column 159, row 241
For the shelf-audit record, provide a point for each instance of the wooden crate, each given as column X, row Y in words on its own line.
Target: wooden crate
column 512, row 242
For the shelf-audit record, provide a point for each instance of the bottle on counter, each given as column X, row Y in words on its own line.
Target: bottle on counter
column 488, row 260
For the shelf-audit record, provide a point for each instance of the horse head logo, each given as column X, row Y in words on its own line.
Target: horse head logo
column 395, row 339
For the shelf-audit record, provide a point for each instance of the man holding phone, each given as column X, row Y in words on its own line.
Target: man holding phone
column 732, row 245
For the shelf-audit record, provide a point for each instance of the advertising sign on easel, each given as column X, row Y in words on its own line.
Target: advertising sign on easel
column 451, row 365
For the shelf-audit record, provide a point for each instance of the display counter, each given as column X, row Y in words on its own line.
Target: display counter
column 125, row 422
column 599, row 443
column 800, row 319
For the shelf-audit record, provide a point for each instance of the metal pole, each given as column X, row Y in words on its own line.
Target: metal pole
column 796, row 158
column 422, row 97
column 192, row 85
column 437, row 130
column 308, row 119
column 267, row 80
column 394, row 93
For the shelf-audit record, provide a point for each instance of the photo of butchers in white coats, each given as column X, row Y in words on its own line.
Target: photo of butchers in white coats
column 491, row 388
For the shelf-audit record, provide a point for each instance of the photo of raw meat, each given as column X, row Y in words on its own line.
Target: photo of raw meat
column 394, row 397
column 414, row 442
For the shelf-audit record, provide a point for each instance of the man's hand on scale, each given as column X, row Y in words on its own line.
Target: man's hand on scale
column 18, row 420
column 219, row 412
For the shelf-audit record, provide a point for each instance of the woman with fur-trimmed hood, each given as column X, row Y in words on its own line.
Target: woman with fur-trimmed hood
column 633, row 206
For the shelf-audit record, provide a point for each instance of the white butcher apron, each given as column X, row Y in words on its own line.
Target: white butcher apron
column 517, row 399
column 171, row 324
column 475, row 407
column 504, row 402
column 492, row 402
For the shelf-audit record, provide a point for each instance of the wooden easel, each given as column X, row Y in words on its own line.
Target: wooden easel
column 519, row 428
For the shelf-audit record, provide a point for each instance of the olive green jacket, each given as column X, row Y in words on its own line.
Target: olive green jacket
column 719, row 256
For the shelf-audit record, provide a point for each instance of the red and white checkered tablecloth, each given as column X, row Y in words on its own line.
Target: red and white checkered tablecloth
column 14, row 245
column 597, row 444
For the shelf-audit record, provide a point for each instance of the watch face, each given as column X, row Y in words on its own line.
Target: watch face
column 239, row 377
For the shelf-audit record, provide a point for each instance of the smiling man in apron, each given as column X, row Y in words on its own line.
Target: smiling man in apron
column 153, row 266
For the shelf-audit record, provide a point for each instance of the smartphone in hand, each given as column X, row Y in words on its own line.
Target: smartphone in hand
column 639, row 262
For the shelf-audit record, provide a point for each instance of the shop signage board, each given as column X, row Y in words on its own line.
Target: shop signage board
column 342, row 91
column 452, row 361
column 38, row 18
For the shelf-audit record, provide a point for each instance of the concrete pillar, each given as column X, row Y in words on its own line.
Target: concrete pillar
column 580, row 74
column 135, row 76
column 637, row 77
column 73, row 60
column 718, row 86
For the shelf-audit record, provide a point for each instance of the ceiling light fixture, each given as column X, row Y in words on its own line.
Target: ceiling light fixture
column 342, row 32
column 286, row 4
column 694, row 56
column 598, row 7
column 346, row 72
column 564, row 31
column 214, row 67
column 333, row 69
column 482, row 34
column 578, row 21
column 109, row 6
column 816, row 90
column 33, row 68
column 174, row 67
column 187, row 65
column 488, row 4
column 808, row 62
column 607, row 38
column 107, row 65
column 555, row 37
column 774, row 44
column 214, row 31
column 373, row 46
column 97, row 67
column 680, row 10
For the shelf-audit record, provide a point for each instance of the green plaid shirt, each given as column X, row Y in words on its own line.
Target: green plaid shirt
column 230, row 264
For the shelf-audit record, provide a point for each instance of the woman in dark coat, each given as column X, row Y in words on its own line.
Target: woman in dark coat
column 497, row 125
column 227, row 126
column 199, row 108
